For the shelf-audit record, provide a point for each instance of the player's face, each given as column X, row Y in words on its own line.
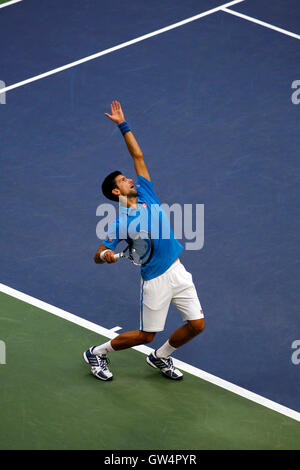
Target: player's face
column 125, row 186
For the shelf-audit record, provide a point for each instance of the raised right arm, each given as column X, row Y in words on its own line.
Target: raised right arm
column 117, row 116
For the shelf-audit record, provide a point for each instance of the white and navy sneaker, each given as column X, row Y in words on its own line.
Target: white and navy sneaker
column 98, row 364
column 165, row 364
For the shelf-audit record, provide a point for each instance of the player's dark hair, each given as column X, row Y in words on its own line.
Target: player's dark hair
column 109, row 184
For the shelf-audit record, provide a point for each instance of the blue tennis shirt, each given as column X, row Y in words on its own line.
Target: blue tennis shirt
column 151, row 217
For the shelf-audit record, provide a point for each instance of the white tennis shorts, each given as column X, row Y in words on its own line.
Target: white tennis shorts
column 176, row 286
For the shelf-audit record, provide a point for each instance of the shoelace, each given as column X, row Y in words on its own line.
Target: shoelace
column 167, row 361
column 100, row 361
column 170, row 363
column 103, row 362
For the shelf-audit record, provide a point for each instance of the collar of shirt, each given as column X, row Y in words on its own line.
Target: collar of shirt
column 131, row 211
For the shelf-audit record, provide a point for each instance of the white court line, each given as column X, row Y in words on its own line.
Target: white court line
column 261, row 23
column 146, row 350
column 119, row 46
column 9, row 3
column 116, row 328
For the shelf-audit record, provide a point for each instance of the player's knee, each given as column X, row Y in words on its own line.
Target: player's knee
column 197, row 326
column 147, row 337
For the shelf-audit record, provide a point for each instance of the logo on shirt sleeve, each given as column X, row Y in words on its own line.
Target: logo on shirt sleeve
column 109, row 239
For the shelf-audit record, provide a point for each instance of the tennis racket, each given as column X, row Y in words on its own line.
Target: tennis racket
column 139, row 249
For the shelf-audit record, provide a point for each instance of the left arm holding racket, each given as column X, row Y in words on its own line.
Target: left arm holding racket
column 138, row 250
column 104, row 254
column 101, row 257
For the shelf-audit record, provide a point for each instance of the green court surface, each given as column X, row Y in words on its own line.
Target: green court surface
column 49, row 399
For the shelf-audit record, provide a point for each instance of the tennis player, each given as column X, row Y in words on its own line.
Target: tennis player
column 163, row 279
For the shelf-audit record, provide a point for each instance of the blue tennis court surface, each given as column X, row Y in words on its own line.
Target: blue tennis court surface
column 51, row 34
column 281, row 13
column 210, row 104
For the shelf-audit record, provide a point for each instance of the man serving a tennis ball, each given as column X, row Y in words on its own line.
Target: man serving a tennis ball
column 164, row 278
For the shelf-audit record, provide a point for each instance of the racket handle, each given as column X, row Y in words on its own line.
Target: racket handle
column 116, row 256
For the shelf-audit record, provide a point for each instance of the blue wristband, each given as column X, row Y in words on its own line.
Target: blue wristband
column 124, row 127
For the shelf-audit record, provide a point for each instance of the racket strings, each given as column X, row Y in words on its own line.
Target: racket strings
column 140, row 250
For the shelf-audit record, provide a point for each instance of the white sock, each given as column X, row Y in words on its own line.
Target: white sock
column 165, row 350
column 103, row 349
